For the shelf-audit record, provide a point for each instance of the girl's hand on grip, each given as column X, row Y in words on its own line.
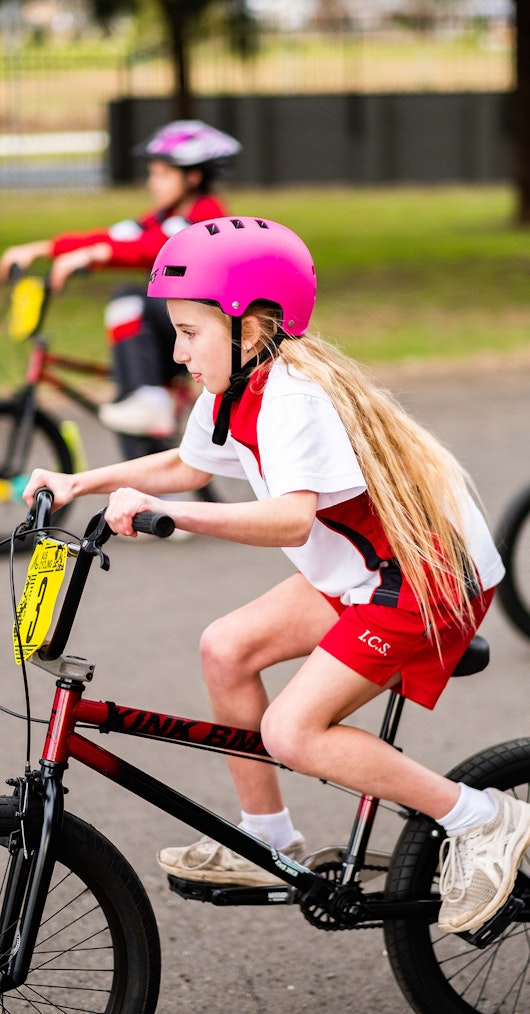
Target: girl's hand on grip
column 60, row 484
column 124, row 504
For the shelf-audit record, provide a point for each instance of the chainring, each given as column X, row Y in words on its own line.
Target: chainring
column 315, row 913
column 328, row 862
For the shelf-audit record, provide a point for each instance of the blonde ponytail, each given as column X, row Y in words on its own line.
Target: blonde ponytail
column 416, row 485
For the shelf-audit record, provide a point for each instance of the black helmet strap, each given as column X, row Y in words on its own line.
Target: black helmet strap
column 239, row 379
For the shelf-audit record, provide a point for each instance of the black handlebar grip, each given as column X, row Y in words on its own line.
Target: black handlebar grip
column 15, row 272
column 43, row 499
column 153, row 524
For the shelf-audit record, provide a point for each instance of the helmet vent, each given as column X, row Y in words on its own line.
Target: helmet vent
column 212, row 228
column 175, row 270
column 237, row 223
column 261, row 223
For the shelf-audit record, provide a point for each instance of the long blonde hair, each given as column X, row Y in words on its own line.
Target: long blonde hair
column 416, row 485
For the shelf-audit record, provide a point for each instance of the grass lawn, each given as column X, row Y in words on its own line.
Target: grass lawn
column 403, row 273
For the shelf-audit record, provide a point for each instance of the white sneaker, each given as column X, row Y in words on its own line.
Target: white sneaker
column 148, row 411
column 211, row 863
column 480, row 865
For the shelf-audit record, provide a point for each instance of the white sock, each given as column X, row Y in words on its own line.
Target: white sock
column 275, row 828
column 472, row 809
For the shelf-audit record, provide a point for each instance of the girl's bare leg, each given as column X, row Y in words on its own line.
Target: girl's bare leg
column 284, row 623
column 301, row 730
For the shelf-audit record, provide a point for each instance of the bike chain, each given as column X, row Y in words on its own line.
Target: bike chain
column 322, row 919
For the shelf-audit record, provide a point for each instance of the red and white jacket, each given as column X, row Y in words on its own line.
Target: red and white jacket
column 136, row 243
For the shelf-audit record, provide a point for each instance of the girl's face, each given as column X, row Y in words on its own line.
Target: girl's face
column 168, row 185
column 203, row 343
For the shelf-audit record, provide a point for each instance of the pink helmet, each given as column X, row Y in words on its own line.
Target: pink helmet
column 236, row 261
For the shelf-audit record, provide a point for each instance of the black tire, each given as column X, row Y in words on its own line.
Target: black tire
column 441, row 973
column 513, row 542
column 98, row 947
column 46, row 449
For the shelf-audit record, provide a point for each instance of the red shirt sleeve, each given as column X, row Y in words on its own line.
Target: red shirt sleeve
column 68, row 241
column 141, row 251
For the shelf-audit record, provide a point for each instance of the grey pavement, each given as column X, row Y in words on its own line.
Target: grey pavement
column 141, row 623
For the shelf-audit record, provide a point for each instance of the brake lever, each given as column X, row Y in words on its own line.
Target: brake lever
column 28, row 523
column 93, row 537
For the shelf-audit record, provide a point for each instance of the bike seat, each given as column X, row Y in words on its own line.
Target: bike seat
column 475, row 657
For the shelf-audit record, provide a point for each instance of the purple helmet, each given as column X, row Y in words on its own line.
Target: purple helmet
column 236, row 261
column 187, row 143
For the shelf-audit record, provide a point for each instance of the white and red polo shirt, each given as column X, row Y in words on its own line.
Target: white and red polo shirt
column 285, row 435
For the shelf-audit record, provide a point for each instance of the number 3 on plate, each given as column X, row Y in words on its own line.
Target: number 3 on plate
column 35, row 609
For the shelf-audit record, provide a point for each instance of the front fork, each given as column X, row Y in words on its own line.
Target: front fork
column 33, row 852
column 16, row 450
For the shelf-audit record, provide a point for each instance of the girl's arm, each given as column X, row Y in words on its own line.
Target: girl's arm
column 281, row 521
column 155, row 473
column 83, row 257
column 23, row 256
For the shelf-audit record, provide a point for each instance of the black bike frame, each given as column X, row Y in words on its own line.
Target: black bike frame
column 63, row 743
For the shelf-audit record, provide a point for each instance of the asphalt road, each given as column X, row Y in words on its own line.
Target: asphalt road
column 141, row 622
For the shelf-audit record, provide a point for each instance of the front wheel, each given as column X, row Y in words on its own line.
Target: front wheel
column 97, row 947
column 513, row 542
column 42, row 447
column 442, row 973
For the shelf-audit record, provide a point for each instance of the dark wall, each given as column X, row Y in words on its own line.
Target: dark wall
column 362, row 139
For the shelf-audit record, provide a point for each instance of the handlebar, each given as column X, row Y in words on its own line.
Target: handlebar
column 43, row 503
column 96, row 535
column 153, row 524
column 15, row 272
column 147, row 522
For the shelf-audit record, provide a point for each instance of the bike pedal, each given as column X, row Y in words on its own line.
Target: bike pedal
column 189, row 889
column 486, row 934
column 222, row 895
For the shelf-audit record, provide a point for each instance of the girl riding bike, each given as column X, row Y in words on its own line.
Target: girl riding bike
column 395, row 567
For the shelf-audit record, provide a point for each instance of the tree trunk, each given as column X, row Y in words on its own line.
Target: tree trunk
column 522, row 110
column 177, row 23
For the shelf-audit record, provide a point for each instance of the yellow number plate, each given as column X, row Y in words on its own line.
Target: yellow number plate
column 26, row 305
column 35, row 609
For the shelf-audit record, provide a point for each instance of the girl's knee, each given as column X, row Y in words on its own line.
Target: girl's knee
column 212, row 642
column 219, row 648
column 285, row 740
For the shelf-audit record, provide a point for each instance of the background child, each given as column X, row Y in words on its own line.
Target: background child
column 184, row 161
column 395, row 566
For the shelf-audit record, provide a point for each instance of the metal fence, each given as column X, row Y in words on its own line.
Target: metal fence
column 54, row 97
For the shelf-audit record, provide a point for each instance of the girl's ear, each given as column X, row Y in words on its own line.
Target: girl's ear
column 250, row 333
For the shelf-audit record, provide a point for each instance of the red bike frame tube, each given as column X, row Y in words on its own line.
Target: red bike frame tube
column 69, row 709
column 61, row 725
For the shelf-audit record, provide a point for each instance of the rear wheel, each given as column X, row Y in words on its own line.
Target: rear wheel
column 443, row 973
column 44, row 448
column 97, row 947
column 513, row 540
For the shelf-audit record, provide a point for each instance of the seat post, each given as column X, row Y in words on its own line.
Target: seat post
column 366, row 812
column 391, row 718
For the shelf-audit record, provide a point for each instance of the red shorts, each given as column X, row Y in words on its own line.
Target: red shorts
column 379, row 641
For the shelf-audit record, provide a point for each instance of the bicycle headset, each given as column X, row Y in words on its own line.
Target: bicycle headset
column 232, row 263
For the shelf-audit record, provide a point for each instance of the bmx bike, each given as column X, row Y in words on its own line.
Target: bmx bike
column 77, row 930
